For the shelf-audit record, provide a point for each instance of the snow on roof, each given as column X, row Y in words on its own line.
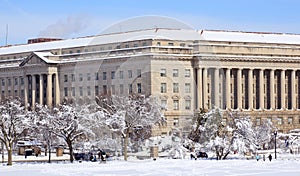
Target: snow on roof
column 156, row 33
column 172, row 34
column 257, row 37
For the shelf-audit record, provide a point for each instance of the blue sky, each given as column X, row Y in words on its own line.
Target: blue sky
column 35, row 18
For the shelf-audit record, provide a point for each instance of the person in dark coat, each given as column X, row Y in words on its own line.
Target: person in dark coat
column 270, row 157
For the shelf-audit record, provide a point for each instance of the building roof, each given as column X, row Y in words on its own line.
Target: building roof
column 157, row 33
column 170, row 34
column 256, row 37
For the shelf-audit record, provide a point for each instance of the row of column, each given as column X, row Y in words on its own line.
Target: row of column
column 206, row 99
column 32, row 85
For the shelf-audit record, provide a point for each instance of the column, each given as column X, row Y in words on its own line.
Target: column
column 41, row 88
column 199, row 88
column 282, row 86
column 57, row 90
column 33, row 90
column 228, row 97
column 272, row 89
column 261, row 89
column 12, row 87
column 239, row 88
column 19, row 86
column 49, row 90
column 250, row 88
column 205, row 100
column 216, row 88
column 293, row 89
column 6, row 88
column 26, row 91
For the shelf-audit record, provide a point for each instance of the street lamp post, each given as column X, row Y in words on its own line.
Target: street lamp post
column 275, row 134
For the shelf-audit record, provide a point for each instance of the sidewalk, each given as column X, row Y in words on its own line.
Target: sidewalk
column 40, row 158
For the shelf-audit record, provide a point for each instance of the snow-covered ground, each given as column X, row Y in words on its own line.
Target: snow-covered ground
column 160, row 167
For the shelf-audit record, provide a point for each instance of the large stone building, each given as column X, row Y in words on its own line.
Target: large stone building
column 257, row 73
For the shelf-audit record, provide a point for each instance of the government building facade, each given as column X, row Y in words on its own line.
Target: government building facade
column 255, row 73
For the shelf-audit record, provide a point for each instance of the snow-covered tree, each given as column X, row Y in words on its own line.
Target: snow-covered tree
column 125, row 114
column 263, row 133
column 232, row 133
column 67, row 126
column 43, row 127
column 13, row 123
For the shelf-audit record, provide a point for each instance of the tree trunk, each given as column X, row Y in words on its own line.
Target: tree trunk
column 69, row 142
column 9, row 161
column 125, row 147
column 126, row 138
column 225, row 156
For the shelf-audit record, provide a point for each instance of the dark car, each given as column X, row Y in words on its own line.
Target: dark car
column 202, row 155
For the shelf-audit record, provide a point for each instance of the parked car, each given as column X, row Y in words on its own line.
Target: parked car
column 202, row 155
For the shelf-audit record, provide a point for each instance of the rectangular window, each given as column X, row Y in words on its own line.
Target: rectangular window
column 187, row 73
column 22, row 81
column 66, row 91
column 279, row 121
column 96, row 76
column 16, row 81
column 80, row 91
column 121, row 89
column 129, row 73
column 80, row 77
column 175, row 72
column 130, row 88
column 104, row 75
column 65, row 78
column 164, row 103
column 88, row 88
column 158, row 44
column 176, row 122
column 163, row 88
column 175, row 104
column 139, row 87
column 187, row 88
column 171, row 44
column 139, row 73
column 73, row 92
column 96, row 90
column 104, row 89
column 88, row 76
column 73, row 77
column 258, row 121
column 3, row 82
column 9, row 81
column 163, row 72
column 187, row 104
column 175, row 88
column 121, row 75
column 290, row 120
column 113, row 75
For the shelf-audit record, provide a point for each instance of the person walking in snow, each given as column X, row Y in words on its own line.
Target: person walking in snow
column 270, row 157
column 264, row 157
column 257, row 157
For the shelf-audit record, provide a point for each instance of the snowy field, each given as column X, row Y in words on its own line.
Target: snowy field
column 160, row 167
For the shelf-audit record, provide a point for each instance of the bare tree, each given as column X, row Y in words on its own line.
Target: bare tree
column 13, row 124
column 124, row 115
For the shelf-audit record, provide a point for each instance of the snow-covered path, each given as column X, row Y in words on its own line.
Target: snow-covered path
column 160, row 167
